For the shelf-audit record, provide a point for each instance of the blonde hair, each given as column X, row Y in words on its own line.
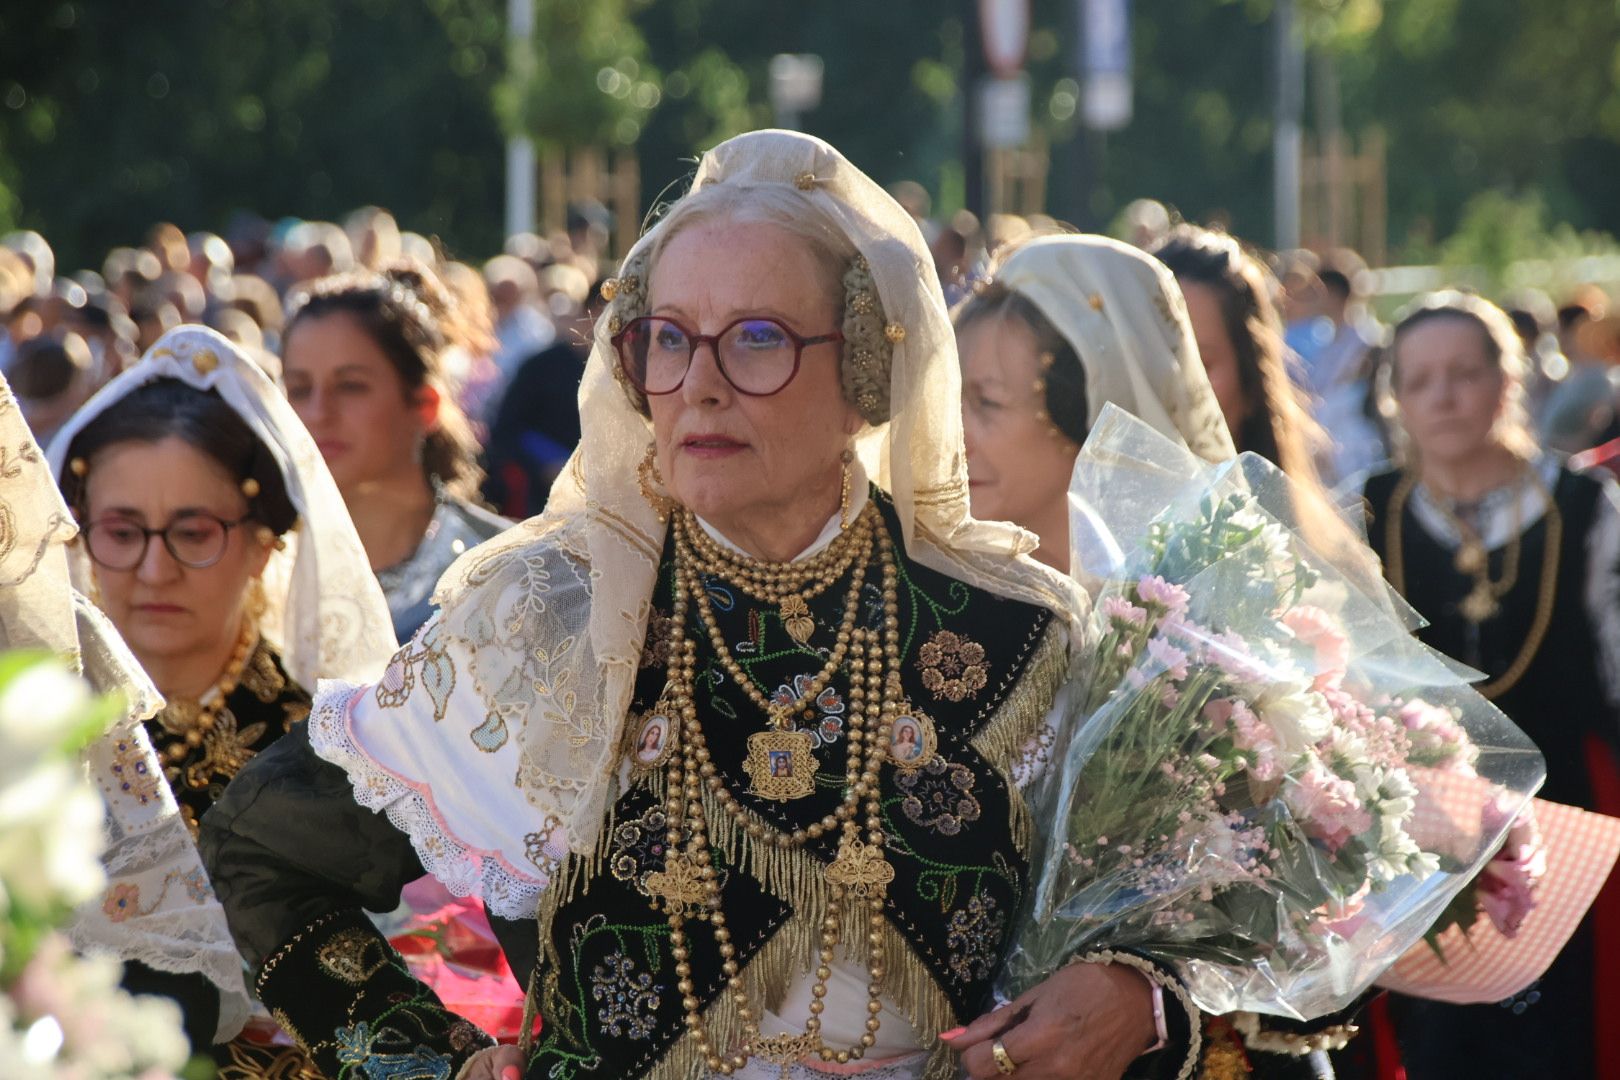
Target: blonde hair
column 1503, row 349
column 765, row 204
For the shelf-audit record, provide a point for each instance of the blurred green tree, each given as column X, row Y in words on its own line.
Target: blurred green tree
column 116, row 115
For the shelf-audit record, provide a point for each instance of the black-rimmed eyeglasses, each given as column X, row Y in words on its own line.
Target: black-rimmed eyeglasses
column 196, row 540
column 756, row 356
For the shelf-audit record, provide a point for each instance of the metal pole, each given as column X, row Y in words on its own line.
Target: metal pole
column 1288, row 138
column 974, row 67
column 520, row 163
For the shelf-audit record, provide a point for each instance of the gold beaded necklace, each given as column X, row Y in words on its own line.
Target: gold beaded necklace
column 790, row 586
column 193, row 721
column 781, row 760
column 688, row 886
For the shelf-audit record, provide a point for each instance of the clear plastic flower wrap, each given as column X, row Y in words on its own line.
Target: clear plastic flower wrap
column 1263, row 778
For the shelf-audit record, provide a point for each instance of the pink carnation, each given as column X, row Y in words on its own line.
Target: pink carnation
column 1437, row 740
column 1256, row 738
column 1326, row 806
column 1506, row 886
column 1119, row 609
column 1320, row 632
column 1170, row 597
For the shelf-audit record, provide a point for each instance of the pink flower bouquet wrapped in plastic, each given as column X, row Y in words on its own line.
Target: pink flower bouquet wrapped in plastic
column 1264, row 779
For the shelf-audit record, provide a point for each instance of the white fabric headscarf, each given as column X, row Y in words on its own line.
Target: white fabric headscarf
column 326, row 614
column 1126, row 319
column 542, row 628
column 174, row 923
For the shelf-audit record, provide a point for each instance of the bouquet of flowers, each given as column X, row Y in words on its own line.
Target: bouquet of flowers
column 61, row 1016
column 1265, row 779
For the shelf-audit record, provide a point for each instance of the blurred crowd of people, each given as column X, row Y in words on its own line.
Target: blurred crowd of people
column 518, row 327
column 520, row 320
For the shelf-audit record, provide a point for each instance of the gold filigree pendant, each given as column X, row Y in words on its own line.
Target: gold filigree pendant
column 786, row 1049
column 678, row 885
column 1470, row 558
column 912, row 742
column 1479, row 605
column 860, row 867
column 781, row 765
column 796, row 618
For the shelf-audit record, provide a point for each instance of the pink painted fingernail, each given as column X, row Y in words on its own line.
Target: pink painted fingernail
column 954, row 1033
column 511, row 1072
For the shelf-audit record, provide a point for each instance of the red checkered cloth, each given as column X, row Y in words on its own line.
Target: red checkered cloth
column 1483, row 966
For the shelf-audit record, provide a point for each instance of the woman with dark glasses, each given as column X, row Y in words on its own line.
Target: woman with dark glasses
column 217, row 543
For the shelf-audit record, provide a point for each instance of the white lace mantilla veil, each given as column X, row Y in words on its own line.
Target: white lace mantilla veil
column 326, row 614
column 176, row 925
column 494, row 738
column 1126, row 318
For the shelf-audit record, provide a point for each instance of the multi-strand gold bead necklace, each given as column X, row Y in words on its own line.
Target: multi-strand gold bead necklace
column 688, row 888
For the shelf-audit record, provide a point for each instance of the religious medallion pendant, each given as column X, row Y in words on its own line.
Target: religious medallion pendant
column 911, row 741
column 651, row 738
column 781, row 765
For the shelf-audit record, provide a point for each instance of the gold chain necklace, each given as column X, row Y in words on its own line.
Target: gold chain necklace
column 689, row 884
column 1547, row 590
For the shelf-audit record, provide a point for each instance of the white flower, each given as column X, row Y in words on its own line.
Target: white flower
column 39, row 708
column 51, row 837
column 1299, row 715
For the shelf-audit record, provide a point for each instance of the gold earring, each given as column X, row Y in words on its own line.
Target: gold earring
column 843, row 497
column 647, row 476
column 257, row 602
column 250, row 487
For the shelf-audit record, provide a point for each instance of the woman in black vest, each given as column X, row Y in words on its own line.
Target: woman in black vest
column 730, row 739
column 1515, row 562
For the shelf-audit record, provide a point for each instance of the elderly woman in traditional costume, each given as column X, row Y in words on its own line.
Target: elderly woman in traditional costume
column 764, row 548
column 213, row 538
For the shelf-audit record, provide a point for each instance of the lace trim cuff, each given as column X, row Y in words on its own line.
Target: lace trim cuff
column 464, row 870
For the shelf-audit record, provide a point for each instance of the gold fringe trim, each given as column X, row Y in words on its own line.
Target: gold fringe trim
column 791, row 951
column 1002, row 740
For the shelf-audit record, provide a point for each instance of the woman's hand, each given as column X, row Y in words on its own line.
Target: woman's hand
column 493, row 1063
column 1085, row 1022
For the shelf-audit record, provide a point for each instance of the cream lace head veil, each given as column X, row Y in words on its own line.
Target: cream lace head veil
column 179, row 929
column 552, row 616
column 326, row 612
column 1126, row 319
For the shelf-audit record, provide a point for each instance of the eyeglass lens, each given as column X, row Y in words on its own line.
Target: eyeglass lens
column 756, row 355
column 195, row 540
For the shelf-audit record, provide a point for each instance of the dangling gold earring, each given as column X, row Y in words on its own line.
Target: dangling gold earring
column 257, row 604
column 843, row 496
column 650, row 481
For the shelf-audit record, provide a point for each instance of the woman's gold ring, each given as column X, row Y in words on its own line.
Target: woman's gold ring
column 1005, row 1065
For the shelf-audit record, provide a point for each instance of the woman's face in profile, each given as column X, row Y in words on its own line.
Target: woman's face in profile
column 161, row 607
column 728, row 456
column 1218, row 351
column 1018, row 463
